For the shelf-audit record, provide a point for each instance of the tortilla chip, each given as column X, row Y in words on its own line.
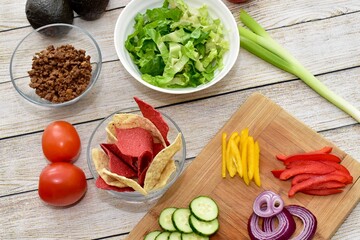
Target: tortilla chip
column 165, row 175
column 144, row 162
column 134, row 142
column 131, row 162
column 141, row 178
column 101, row 161
column 116, row 163
column 126, row 181
column 155, row 117
column 129, row 120
column 159, row 163
column 111, row 138
column 100, row 183
column 157, row 147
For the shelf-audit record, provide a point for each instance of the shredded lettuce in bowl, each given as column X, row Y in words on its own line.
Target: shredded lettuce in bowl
column 175, row 46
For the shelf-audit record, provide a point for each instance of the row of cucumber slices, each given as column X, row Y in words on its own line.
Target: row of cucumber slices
column 198, row 222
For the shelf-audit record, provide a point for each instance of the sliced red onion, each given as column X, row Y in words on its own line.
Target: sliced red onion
column 268, row 204
column 286, row 227
column 308, row 219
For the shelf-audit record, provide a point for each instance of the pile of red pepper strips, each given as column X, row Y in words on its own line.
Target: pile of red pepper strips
column 316, row 173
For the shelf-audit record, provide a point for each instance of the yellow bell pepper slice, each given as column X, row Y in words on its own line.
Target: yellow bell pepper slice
column 237, row 140
column 223, row 162
column 250, row 155
column 257, row 164
column 230, row 156
column 236, row 153
column 238, row 159
column 243, row 148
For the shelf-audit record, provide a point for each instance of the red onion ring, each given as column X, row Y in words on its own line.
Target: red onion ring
column 268, row 204
column 283, row 231
column 308, row 219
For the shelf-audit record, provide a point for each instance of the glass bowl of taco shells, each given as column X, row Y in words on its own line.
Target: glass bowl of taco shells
column 136, row 154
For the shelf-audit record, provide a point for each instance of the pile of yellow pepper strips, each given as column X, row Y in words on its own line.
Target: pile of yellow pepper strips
column 240, row 154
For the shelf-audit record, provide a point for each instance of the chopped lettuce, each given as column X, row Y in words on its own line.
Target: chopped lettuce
column 177, row 46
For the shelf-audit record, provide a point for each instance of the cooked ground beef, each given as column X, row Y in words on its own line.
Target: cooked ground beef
column 60, row 74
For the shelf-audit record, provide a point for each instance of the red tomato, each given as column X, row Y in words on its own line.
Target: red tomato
column 62, row 184
column 61, row 142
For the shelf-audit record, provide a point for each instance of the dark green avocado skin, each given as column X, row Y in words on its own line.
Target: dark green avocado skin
column 43, row 12
column 89, row 9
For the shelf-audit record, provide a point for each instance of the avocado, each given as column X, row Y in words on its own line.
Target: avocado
column 43, row 12
column 89, row 9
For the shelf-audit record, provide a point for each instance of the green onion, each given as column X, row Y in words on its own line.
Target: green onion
column 257, row 41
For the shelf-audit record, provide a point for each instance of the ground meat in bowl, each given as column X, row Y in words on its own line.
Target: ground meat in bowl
column 60, row 74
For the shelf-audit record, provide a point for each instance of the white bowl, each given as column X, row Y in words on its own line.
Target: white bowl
column 216, row 8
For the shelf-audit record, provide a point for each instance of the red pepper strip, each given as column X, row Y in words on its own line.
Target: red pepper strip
column 302, row 177
column 322, row 192
column 312, row 167
column 281, row 157
column 340, row 170
column 277, row 172
column 303, row 163
column 327, row 185
column 337, row 166
column 309, row 183
column 349, row 178
column 325, row 149
column 313, row 157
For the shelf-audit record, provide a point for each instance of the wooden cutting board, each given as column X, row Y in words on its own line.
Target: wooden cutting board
column 277, row 132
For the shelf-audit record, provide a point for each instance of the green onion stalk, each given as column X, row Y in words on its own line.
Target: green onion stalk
column 257, row 41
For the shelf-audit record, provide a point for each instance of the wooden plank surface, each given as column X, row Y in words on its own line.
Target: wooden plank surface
column 114, row 78
column 277, row 132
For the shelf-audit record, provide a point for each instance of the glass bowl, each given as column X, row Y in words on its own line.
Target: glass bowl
column 57, row 35
column 100, row 136
column 217, row 9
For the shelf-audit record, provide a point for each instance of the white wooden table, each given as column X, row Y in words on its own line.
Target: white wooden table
column 323, row 35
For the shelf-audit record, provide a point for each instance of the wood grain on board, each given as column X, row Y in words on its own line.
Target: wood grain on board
column 277, row 132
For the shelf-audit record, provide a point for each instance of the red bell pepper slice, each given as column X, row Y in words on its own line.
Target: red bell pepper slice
column 348, row 177
column 281, row 157
column 322, row 192
column 302, row 177
column 337, row 166
column 326, row 149
column 313, row 181
column 313, row 157
column 303, row 163
column 327, row 185
column 311, row 167
column 277, row 172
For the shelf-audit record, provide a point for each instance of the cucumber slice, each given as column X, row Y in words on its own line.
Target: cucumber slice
column 175, row 236
column 152, row 235
column 163, row 236
column 203, row 228
column 180, row 218
column 193, row 236
column 165, row 220
column 204, row 208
